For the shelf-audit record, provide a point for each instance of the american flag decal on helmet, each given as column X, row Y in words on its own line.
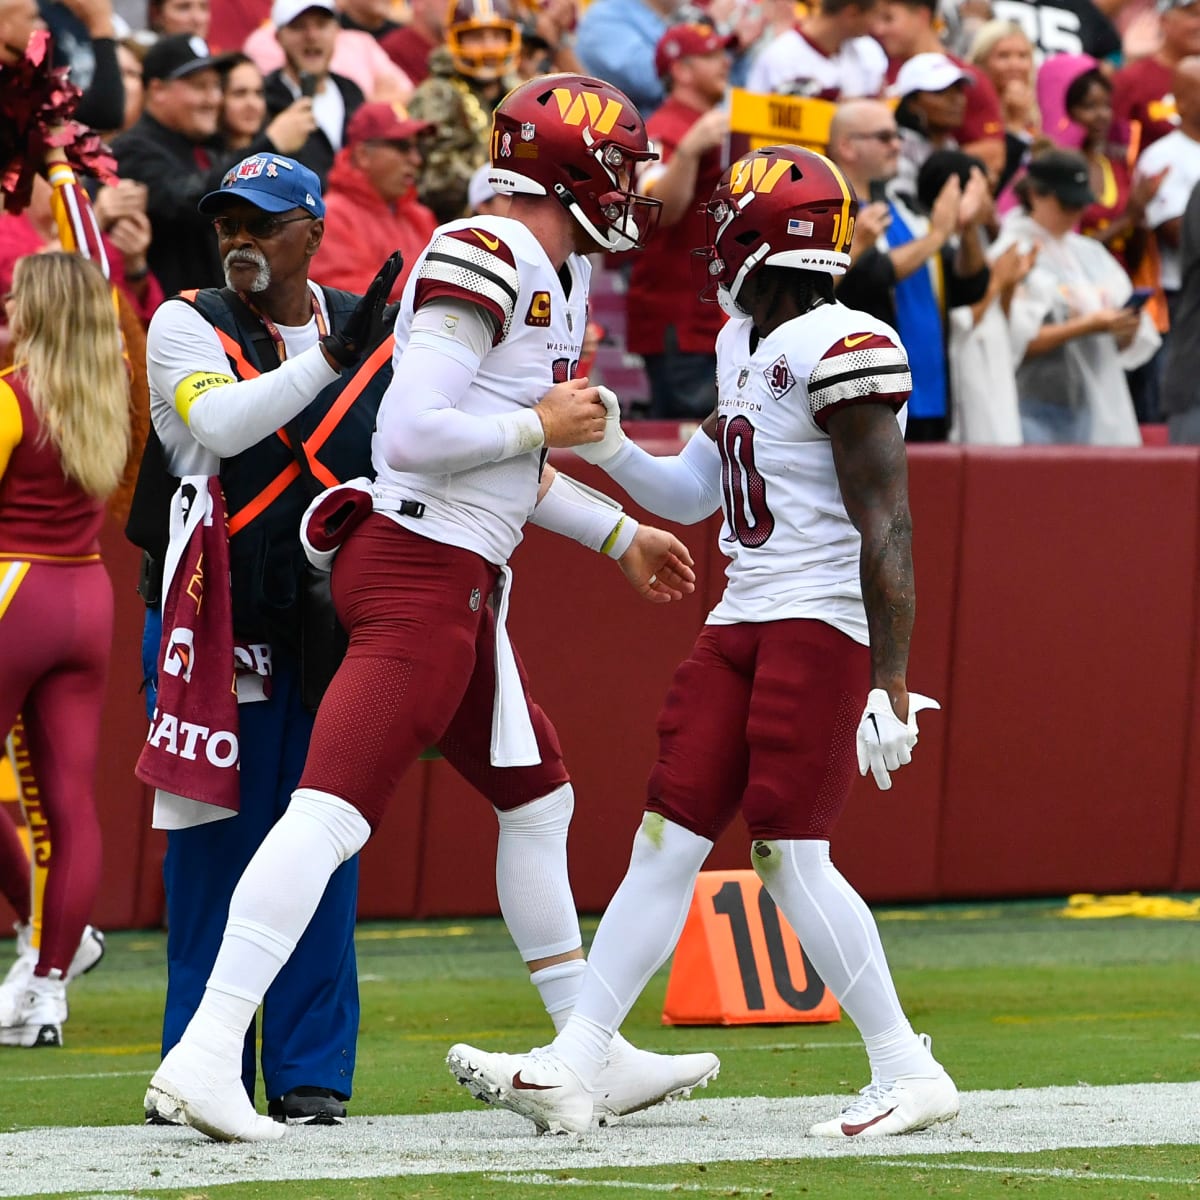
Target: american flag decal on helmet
column 798, row 228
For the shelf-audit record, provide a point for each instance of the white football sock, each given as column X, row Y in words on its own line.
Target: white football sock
column 270, row 909
column 636, row 936
column 531, row 876
column 841, row 939
column 559, row 988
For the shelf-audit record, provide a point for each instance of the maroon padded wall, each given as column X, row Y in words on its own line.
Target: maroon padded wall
column 1058, row 610
column 1072, row 669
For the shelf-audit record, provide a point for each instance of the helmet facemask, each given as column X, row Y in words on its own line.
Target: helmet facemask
column 620, row 218
column 484, row 64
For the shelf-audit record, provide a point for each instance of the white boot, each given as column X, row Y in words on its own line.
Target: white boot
column 198, row 1088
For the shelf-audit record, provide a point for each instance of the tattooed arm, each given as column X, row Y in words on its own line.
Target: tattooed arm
column 872, row 471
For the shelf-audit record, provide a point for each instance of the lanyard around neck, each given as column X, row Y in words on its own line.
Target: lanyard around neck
column 273, row 329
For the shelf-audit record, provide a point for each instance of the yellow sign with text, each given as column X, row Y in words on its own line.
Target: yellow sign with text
column 756, row 120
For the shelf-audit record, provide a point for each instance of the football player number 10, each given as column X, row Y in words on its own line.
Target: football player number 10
column 744, row 488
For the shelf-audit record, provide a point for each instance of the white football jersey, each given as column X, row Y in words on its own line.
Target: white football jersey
column 496, row 263
column 792, row 65
column 794, row 551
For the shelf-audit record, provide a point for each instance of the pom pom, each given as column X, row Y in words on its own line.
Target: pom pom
column 37, row 106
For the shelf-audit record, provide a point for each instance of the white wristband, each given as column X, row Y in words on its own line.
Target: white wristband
column 589, row 517
column 522, row 432
column 621, row 537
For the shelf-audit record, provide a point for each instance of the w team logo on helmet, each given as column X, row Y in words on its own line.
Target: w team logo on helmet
column 465, row 22
column 581, row 140
column 779, row 206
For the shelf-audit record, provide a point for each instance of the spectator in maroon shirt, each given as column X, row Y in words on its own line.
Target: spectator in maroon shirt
column 668, row 325
column 1142, row 90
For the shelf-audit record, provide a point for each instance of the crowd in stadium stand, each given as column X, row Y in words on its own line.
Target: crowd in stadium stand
column 1024, row 170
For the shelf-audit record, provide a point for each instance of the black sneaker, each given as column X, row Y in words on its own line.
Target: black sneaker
column 308, row 1106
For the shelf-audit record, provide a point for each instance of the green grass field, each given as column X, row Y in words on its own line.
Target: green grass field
column 1015, row 996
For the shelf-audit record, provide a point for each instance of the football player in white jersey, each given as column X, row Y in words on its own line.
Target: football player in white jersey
column 806, row 454
column 490, row 329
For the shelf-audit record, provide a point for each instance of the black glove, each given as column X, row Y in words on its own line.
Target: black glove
column 364, row 327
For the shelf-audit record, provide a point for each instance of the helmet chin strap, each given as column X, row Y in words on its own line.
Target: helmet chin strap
column 615, row 240
column 735, row 288
column 729, row 306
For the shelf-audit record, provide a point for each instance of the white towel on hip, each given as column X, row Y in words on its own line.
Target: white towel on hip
column 513, row 741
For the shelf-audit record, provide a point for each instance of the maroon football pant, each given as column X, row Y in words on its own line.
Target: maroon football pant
column 55, row 641
column 761, row 717
column 420, row 672
column 14, row 864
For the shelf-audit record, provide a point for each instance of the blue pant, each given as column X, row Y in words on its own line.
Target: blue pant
column 310, row 1013
column 1045, row 424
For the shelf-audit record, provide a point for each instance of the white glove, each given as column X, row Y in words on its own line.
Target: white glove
column 885, row 743
column 600, row 452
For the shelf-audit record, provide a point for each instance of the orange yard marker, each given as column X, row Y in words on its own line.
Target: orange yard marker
column 739, row 963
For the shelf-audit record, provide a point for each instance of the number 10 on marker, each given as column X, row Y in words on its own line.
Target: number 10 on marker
column 738, row 961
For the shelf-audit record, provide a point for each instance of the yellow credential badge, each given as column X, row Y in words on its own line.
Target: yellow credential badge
column 193, row 387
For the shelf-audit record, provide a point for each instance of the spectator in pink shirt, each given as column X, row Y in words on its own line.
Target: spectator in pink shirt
column 356, row 56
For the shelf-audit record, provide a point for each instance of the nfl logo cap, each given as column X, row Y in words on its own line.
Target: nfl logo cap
column 270, row 182
column 179, row 55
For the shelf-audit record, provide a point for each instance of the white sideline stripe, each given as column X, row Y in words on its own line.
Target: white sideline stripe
column 1047, row 1172
column 53, row 1078
column 631, row 1185
column 141, row 1158
column 716, row 1048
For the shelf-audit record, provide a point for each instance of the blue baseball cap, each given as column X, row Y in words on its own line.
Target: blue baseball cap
column 270, row 182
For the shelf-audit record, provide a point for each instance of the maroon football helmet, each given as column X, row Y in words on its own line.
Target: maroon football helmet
column 581, row 140
column 474, row 61
column 778, row 206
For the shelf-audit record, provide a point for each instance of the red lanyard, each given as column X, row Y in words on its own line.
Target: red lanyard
column 273, row 330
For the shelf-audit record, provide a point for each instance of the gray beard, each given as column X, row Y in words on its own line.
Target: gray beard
column 262, row 280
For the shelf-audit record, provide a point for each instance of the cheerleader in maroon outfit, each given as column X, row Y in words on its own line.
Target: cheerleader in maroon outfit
column 64, row 433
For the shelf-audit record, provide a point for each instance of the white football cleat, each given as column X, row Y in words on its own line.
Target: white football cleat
column 901, row 1105
column 537, row 1085
column 37, row 1016
column 635, row 1079
column 194, row 1087
column 88, row 953
column 12, row 991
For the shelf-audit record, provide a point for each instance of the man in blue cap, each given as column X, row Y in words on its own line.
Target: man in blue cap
column 244, row 384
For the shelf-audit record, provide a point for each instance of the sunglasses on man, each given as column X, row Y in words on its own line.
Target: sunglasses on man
column 261, row 226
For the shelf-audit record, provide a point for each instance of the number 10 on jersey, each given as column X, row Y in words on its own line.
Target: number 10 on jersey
column 739, row 963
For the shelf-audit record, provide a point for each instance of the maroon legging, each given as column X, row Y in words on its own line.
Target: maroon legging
column 55, row 642
column 14, row 865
